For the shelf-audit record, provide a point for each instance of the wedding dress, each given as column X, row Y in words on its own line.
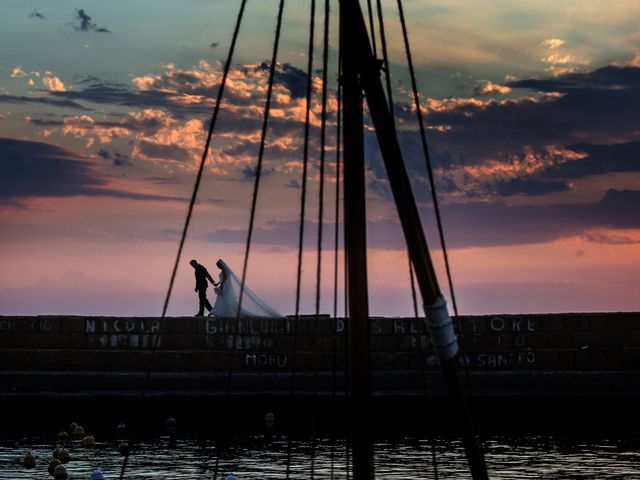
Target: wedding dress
column 227, row 292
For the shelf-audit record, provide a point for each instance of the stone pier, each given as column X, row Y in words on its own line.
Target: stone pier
column 504, row 357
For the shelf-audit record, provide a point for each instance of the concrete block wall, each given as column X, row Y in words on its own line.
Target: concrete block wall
column 584, row 341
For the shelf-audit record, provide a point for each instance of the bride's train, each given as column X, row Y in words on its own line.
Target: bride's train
column 226, row 304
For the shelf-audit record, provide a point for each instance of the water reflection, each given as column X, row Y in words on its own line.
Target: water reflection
column 253, row 458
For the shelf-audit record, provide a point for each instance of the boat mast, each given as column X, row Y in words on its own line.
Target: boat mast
column 361, row 73
column 355, row 237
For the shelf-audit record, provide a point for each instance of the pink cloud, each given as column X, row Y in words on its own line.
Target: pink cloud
column 489, row 88
column 18, row 72
column 86, row 126
column 553, row 43
column 54, row 84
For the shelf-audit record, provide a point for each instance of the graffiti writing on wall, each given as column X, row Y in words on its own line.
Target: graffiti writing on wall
column 122, row 332
column 25, row 325
column 248, row 326
column 266, row 360
column 243, row 342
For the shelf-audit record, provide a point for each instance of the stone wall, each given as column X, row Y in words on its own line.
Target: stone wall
column 550, row 342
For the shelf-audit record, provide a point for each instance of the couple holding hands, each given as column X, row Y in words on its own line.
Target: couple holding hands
column 227, row 303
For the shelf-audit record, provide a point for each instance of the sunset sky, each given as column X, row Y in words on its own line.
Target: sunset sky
column 533, row 122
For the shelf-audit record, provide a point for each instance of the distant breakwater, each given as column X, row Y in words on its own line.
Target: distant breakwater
column 553, row 356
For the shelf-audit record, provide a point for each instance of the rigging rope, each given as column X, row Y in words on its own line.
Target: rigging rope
column 434, row 195
column 387, row 71
column 425, row 149
column 303, row 197
column 411, row 274
column 185, row 228
column 323, row 134
column 258, row 173
column 335, row 255
column 372, row 29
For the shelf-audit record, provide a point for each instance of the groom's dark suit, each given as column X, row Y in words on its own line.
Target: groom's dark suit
column 201, row 287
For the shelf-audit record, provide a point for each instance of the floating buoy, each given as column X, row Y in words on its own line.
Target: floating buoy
column 78, row 432
column 60, row 473
column 88, row 442
column 52, row 465
column 231, row 476
column 97, row 475
column 171, row 425
column 29, row 461
column 269, row 421
column 124, row 449
column 62, row 436
column 62, row 455
column 72, row 426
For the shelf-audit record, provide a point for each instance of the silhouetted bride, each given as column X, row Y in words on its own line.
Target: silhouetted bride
column 227, row 293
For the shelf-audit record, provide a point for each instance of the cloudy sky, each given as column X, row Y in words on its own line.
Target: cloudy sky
column 533, row 126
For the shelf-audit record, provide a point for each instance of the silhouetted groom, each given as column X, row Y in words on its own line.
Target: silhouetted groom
column 201, row 286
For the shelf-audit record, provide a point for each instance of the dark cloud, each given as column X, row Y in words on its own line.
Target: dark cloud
column 42, row 122
column 42, row 169
column 169, row 152
column 116, row 94
column 164, row 180
column 476, row 224
column 131, row 123
column 599, row 105
column 84, row 79
column 85, row 24
column 291, row 77
column 620, row 157
column 118, row 159
column 121, row 160
column 490, row 224
column 600, row 159
column 249, row 173
column 36, row 14
column 528, row 186
column 415, row 163
column 36, row 169
column 609, row 77
column 53, row 102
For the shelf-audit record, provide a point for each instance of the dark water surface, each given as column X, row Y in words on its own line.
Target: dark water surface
column 522, row 458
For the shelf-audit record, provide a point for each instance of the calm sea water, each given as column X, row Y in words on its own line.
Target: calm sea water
column 523, row 458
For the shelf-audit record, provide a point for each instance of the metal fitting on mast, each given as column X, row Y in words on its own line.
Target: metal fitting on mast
column 443, row 337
